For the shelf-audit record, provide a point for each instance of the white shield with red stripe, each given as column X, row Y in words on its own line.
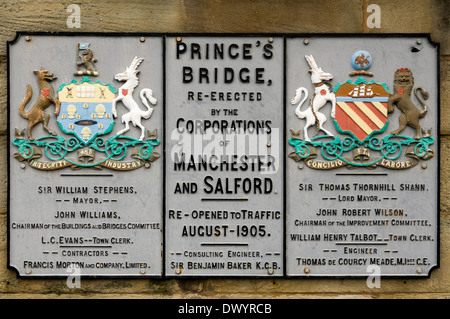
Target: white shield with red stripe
column 361, row 108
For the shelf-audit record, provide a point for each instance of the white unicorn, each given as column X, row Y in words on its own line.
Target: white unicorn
column 126, row 96
column 321, row 95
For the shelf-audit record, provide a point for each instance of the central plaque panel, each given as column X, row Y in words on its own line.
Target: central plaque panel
column 224, row 186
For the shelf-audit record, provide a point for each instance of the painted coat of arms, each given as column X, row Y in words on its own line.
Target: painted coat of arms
column 85, row 112
column 360, row 110
column 86, row 109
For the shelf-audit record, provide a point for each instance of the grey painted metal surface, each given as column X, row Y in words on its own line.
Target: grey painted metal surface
column 105, row 221
column 350, row 220
column 224, row 196
column 248, row 192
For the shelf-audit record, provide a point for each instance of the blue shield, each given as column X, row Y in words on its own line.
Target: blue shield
column 86, row 109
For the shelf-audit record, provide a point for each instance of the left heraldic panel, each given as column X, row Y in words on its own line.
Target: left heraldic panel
column 85, row 161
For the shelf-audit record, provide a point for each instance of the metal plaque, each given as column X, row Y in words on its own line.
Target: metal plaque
column 166, row 155
column 86, row 177
column 362, row 170
column 224, row 126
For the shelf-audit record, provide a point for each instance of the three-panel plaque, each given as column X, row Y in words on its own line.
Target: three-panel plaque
column 236, row 155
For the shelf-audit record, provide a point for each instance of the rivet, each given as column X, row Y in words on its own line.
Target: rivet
column 270, row 40
column 424, row 166
column 179, row 39
column 305, row 41
column 28, row 271
column 300, row 166
column 22, row 166
column 306, row 270
column 142, row 39
column 28, row 38
column 268, row 145
column 419, row 270
column 418, row 41
column 142, row 271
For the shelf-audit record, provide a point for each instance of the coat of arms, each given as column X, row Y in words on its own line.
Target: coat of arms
column 360, row 110
column 85, row 112
column 86, row 109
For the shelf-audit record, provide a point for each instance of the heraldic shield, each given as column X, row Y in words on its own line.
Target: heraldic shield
column 361, row 108
column 86, row 109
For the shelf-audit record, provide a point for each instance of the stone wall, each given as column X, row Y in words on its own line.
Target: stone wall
column 230, row 16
